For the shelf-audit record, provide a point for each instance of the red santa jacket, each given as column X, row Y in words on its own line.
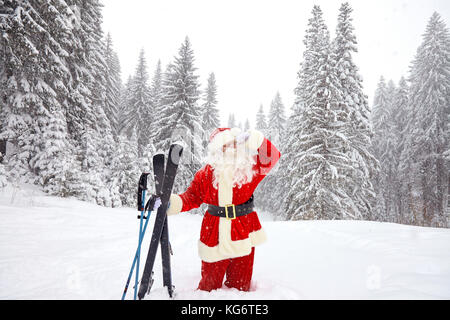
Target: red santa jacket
column 222, row 238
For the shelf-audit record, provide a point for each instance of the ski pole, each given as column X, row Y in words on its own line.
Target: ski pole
column 136, row 255
column 142, row 187
column 141, row 236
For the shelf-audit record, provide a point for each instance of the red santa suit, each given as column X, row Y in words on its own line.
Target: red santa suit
column 226, row 246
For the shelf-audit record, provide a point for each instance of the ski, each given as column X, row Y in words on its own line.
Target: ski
column 165, row 258
column 158, row 170
column 158, row 174
column 174, row 156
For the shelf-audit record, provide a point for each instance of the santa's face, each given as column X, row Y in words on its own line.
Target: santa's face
column 230, row 145
column 229, row 155
column 232, row 163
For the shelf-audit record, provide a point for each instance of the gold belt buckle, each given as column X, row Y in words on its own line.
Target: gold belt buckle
column 234, row 211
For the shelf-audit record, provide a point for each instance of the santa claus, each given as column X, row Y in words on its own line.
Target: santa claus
column 237, row 162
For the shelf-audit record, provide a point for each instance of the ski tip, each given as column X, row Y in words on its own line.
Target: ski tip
column 176, row 150
column 181, row 143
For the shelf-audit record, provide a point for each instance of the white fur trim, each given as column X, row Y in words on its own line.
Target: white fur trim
column 220, row 139
column 235, row 131
column 226, row 248
column 223, row 137
column 176, row 204
column 225, row 192
column 255, row 140
column 239, row 248
column 258, row 237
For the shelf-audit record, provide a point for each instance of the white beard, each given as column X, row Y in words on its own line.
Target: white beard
column 234, row 166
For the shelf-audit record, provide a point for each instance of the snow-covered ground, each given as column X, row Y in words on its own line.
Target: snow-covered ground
column 52, row 248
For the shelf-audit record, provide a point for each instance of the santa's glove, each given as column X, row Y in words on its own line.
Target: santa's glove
column 154, row 202
column 242, row 137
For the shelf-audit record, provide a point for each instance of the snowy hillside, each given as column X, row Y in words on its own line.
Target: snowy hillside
column 52, row 248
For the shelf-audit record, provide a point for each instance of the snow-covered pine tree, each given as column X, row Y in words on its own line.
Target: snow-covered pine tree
column 126, row 169
column 140, row 110
column 315, row 34
column 54, row 162
column 32, row 86
column 246, row 125
column 269, row 191
column 161, row 134
column 125, row 166
column 94, row 50
column 354, row 111
column 390, row 154
column 113, row 85
column 4, row 25
column 276, row 120
column 293, row 149
column 287, row 173
column 156, row 89
column 106, row 149
column 90, row 166
column 79, row 41
column 261, row 123
column 383, row 145
column 83, row 101
column 78, row 105
column 19, row 101
column 400, row 114
column 3, row 180
column 125, row 98
column 428, row 130
column 318, row 189
column 231, row 121
column 180, row 117
column 157, row 95
column 54, row 157
column 211, row 116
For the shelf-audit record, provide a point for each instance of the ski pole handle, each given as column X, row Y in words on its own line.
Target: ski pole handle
column 142, row 186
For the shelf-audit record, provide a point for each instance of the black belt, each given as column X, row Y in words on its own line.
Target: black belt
column 232, row 211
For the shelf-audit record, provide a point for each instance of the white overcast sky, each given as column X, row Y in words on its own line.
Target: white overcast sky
column 254, row 47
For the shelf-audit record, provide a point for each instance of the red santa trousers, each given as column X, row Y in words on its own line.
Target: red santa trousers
column 238, row 271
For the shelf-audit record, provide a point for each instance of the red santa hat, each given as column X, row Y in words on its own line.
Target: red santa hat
column 221, row 136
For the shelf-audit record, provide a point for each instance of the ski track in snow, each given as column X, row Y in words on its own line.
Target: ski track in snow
column 53, row 248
